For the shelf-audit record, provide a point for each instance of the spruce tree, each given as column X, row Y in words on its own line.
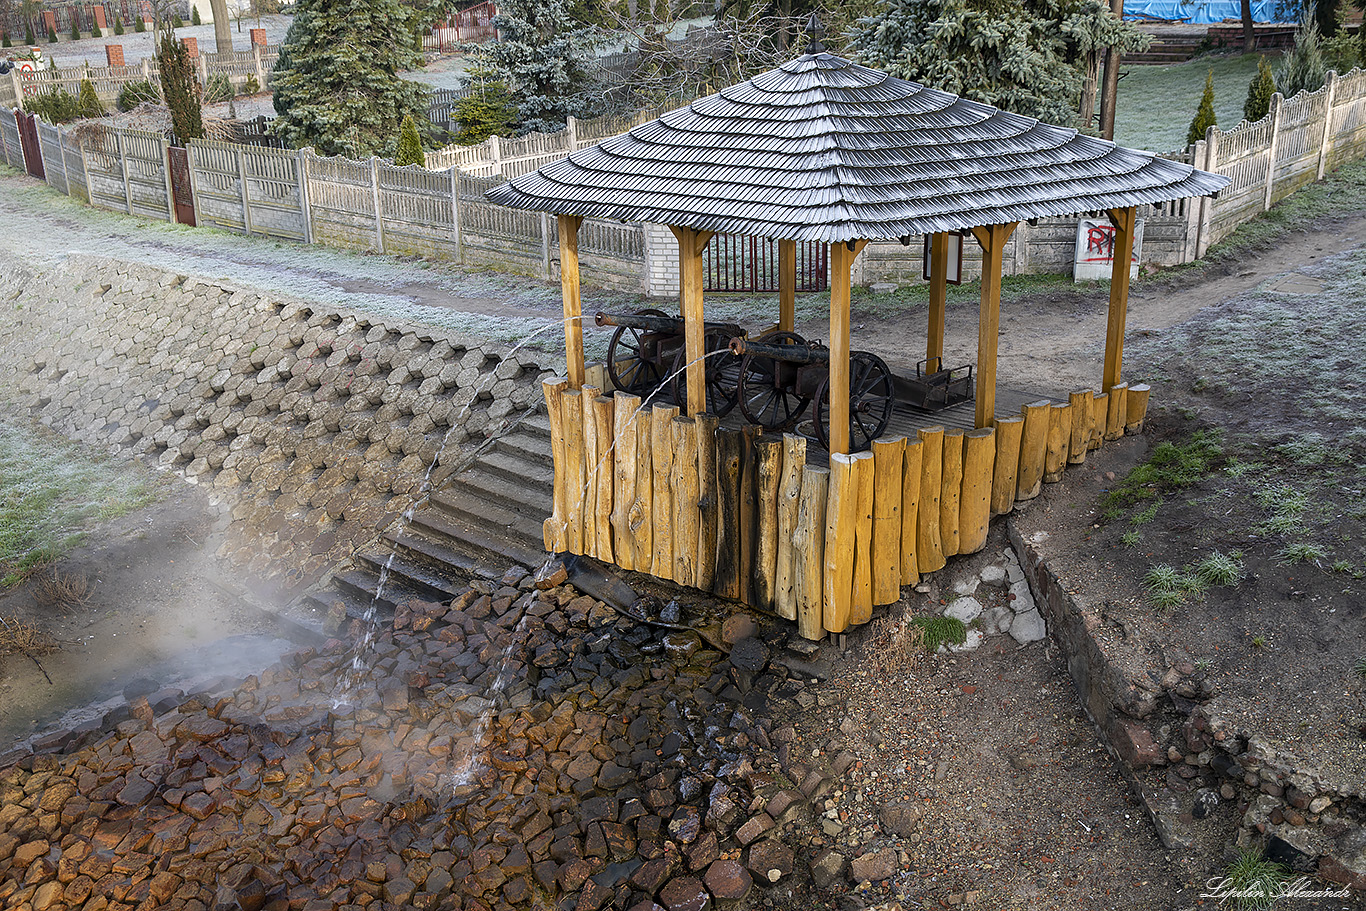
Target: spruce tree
column 51, row 37
column 179, row 89
column 1025, row 57
column 1303, row 68
column 541, row 57
column 409, row 144
column 118, row 25
column 138, row 25
column 336, row 82
column 28, row 34
column 1204, row 114
column 1259, row 92
column 95, row 30
column 487, row 110
column 87, row 102
column 194, row 16
column 75, row 27
column 4, row 40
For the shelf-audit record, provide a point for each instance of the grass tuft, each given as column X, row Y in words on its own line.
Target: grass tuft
column 1171, row 467
column 1258, row 882
column 1303, row 552
column 939, row 631
column 1221, row 569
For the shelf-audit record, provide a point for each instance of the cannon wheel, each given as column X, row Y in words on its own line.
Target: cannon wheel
column 871, row 397
column 628, row 368
column 766, row 396
column 722, row 370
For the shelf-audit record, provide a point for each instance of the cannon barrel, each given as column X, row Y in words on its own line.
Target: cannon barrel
column 670, row 324
column 791, row 354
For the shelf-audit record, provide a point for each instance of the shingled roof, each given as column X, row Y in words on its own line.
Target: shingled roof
column 824, row 149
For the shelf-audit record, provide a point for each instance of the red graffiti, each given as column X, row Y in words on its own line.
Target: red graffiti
column 1100, row 239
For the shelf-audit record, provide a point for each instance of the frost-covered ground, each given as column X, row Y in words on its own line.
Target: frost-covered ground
column 137, row 45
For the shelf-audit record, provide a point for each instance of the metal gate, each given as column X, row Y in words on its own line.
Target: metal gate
column 739, row 262
column 182, row 192
column 28, row 138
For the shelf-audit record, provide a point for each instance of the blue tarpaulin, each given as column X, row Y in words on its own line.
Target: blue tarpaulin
column 1201, row 11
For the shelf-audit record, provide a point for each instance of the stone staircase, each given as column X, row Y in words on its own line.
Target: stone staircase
column 481, row 522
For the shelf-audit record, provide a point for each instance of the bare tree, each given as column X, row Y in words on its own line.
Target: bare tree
column 222, row 26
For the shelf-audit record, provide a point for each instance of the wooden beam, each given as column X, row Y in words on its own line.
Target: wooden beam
column 1124, row 220
column 569, row 292
column 841, row 262
column 993, row 241
column 787, row 285
column 939, row 293
column 691, row 243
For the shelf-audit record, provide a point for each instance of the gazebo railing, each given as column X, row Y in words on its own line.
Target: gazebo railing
column 736, row 262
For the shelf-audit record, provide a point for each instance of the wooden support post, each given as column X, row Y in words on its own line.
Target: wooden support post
column 592, row 457
column 1059, row 437
column 662, row 443
column 727, row 580
column 889, row 456
column 1008, row 433
column 607, row 451
column 808, row 545
column 910, row 512
column 1124, row 221
column 554, row 528
column 1100, row 407
column 951, row 489
column 1033, row 450
column 691, row 243
column 841, row 262
column 861, row 601
column 569, row 294
column 687, row 517
column 706, row 500
column 787, row 285
column 929, row 548
column 642, row 510
column 840, row 517
column 1137, row 409
column 789, row 503
column 1081, row 427
column 574, row 461
column 993, row 239
column 974, row 510
column 939, row 294
column 770, row 468
column 749, row 495
column 624, row 477
column 1115, row 412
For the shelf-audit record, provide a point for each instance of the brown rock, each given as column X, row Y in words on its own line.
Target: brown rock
column 551, row 574
column 770, row 860
column 1135, row 744
column 755, row 828
column 728, row 880
column 685, row 893
column 28, row 852
column 874, row 866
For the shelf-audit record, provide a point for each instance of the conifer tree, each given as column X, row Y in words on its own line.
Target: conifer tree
column 88, row 103
column 1303, row 68
column 179, row 89
column 118, row 25
column 1204, row 114
column 336, row 82
column 409, row 144
column 194, row 16
column 1259, row 92
column 541, row 57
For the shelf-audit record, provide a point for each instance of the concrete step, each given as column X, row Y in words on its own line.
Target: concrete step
column 521, row 521
column 356, row 604
column 485, row 544
column 432, row 582
column 444, row 557
column 477, row 483
column 518, row 469
column 532, row 449
column 362, row 583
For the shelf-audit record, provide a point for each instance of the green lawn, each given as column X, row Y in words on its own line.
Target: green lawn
column 1157, row 103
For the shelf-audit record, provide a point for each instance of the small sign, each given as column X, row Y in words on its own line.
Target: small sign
column 955, row 244
column 1096, row 250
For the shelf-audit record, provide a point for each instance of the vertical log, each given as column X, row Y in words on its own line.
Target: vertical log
column 706, row 500
column 1008, row 433
column 1115, row 413
column 840, row 517
column 951, row 489
column 939, row 288
column 570, row 298
column 749, row 495
column 591, row 462
column 687, row 515
column 1059, row 434
column 789, row 502
column 642, row 510
column 787, row 286
column 889, row 455
column 624, row 477
column 808, row 544
column 1033, row 450
column 861, row 601
column 572, row 402
column 554, row 528
column 841, row 262
column 1100, row 406
column 910, row 513
column 974, row 516
column 607, row 452
column 1137, row 409
column 1125, row 221
column 1081, row 427
column 929, row 549
column 662, row 443
column 770, row 467
column 727, row 583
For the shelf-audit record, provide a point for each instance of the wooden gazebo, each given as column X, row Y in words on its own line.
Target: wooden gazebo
column 822, row 149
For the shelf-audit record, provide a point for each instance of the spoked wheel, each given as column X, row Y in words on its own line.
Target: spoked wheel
column 722, row 371
column 768, row 388
column 633, row 358
column 871, row 397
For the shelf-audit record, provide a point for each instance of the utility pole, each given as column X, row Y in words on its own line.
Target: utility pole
column 1110, row 89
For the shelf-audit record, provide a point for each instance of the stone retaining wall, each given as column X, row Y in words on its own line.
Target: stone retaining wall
column 317, row 426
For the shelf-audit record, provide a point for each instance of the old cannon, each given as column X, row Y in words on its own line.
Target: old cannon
column 647, row 353
column 781, row 375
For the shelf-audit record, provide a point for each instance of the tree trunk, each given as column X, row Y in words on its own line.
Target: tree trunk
column 222, row 26
column 1086, row 112
column 1249, row 34
column 1110, row 92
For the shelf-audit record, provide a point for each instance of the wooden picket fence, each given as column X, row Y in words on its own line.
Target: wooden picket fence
column 744, row 516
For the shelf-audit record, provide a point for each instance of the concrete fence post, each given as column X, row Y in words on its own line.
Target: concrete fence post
column 455, row 216
column 546, row 261
column 305, row 209
column 379, row 212
column 1276, row 101
column 496, row 155
column 166, row 173
column 246, row 199
column 1206, row 203
column 1190, row 249
column 18, row 83
column 260, row 67
column 147, row 68
column 123, row 167
column 571, row 132
column 1326, row 145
